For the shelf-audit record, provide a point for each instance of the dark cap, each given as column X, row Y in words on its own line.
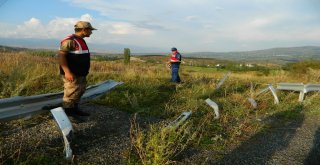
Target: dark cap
column 173, row 49
column 83, row 25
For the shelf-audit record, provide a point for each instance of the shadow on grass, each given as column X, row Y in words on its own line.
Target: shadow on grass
column 314, row 154
column 279, row 130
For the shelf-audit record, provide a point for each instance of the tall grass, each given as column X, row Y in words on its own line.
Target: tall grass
column 160, row 143
column 23, row 74
column 147, row 91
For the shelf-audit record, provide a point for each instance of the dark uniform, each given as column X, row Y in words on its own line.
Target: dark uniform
column 175, row 61
column 74, row 59
column 78, row 60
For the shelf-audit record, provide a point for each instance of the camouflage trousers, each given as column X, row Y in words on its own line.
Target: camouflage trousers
column 73, row 91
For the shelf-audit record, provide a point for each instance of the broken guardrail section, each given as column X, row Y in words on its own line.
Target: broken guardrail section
column 253, row 103
column 223, row 80
column 299, row 87
column 180, row 120
column 262, row 91
column 215, row 107
column 66, row 129
column 273, row 91
column 19, row 107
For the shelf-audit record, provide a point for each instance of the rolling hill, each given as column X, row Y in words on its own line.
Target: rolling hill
column 280, row 55
column 273, row 55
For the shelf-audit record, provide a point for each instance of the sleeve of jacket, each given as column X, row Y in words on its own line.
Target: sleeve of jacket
column 67, row 45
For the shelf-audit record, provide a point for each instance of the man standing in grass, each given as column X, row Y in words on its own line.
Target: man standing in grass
column 175, row 61
column 74, row 60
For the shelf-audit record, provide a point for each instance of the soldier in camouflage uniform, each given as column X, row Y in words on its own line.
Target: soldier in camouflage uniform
column 74, row 60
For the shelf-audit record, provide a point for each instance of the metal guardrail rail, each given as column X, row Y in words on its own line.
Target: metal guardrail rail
column 20, row 107
column 299, row 87
column 312, row 87
column 291, row 86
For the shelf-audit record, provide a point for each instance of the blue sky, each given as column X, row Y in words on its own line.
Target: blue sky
column 189, row 25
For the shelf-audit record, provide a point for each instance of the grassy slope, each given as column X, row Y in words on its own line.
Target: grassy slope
column 147, row 91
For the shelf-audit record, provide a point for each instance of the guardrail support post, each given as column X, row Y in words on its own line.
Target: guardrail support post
column 274, row 93
column 66, row 129
column 301, row 96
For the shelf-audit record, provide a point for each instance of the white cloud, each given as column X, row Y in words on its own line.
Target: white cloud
column 34, row 28
column 120, row 32
column 7, row 30
column 86, row 17
column 191, row 18
column 105, row 8
column 127, row 29
column 259, row 22
column 60, row 27
column 32, row 23
column 191, row 24
column 31, row 28
column 218, row 8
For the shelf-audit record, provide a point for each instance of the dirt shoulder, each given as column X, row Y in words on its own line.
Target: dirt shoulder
column 102, row 139
column 291, row 142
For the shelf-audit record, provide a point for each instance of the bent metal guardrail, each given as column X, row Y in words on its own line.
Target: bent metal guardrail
column 66, row 129
column 299, row 87
column 211, row 103
column 19, row 107
column 273, row 91
column 215, row 107
column 223, row 80
column 180, row 120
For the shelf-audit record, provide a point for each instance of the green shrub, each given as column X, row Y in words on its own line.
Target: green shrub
column 126, row 55
column 302, row 67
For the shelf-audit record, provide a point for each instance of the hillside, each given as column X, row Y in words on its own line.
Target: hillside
column 274, row 55
column 11, row 49
column 54, row 45
column 280, row 55
column 129, row 125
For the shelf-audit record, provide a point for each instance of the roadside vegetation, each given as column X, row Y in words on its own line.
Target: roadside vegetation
column 147, row 92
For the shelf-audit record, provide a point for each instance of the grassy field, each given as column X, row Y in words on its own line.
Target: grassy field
column 148, row 92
